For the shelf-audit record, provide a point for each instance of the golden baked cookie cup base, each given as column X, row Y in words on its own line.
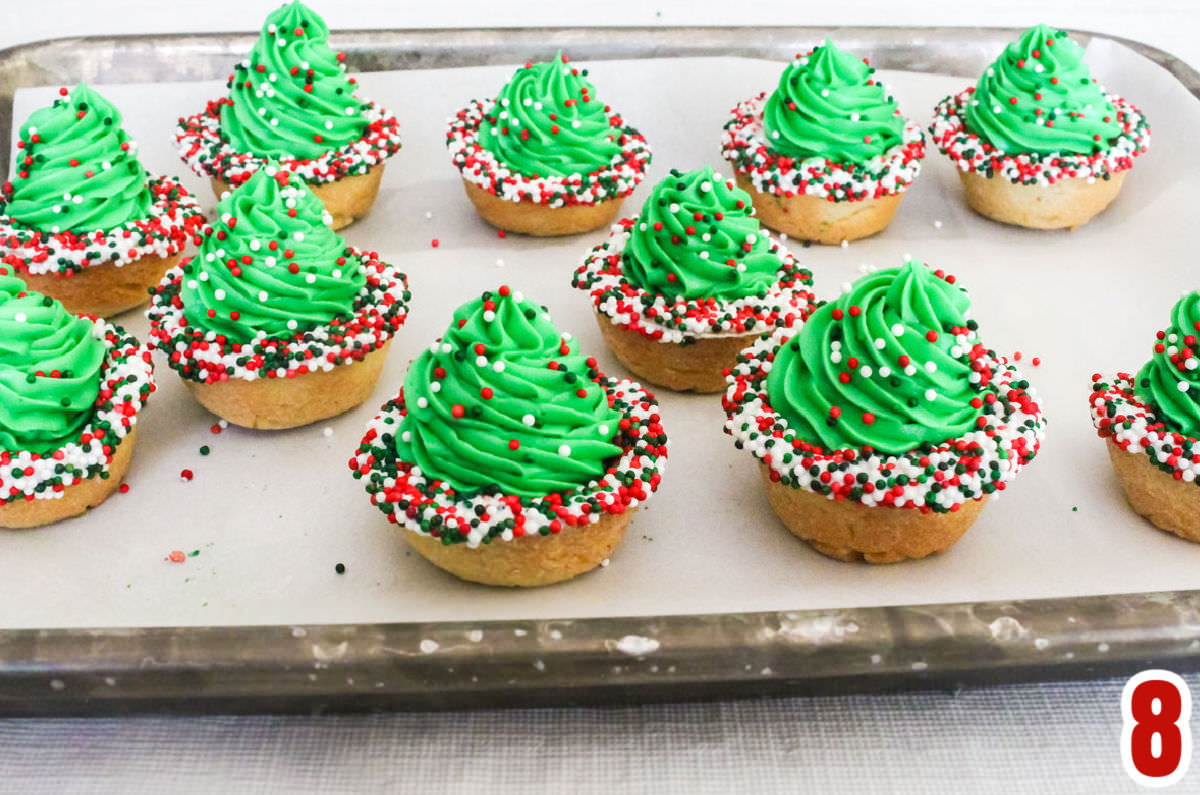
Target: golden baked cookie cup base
column 1064, row 204
column 279, row 403
column 529, row 561
column 851, row 531
column 77, row 499
column 540, row 220
column 103, row 290
column 346, row 199
column 1169, row 504
column 696, row 367
column 812, row 218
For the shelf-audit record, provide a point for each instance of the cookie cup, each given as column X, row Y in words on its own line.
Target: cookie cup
column 345, row 179
column 40, row 489
column 105, row 272
column 272, row 384
column 684, row 345
column 544, row 206
column 505, row 539
column 818, row 199
column 1032, row 190
column 863, row 505
column 1155, row 468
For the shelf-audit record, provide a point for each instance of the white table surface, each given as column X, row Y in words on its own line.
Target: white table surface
column 1027, row 738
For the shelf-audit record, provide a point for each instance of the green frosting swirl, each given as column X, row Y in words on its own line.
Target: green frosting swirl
column 77, row 171
column 506, row 403
column 828, row 105
column 547, row 121
column 271, row 265
column 1170, row 381
column 895, row 322
column 291, row 97
column 50, row 363
column 696, row 238
column 1039, row 97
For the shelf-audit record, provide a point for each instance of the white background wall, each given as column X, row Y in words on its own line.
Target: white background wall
column 1169, row 24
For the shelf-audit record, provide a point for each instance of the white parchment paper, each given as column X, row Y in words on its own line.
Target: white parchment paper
column 272, row 513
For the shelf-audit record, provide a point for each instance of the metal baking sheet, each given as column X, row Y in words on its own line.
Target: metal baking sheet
column 708, row 595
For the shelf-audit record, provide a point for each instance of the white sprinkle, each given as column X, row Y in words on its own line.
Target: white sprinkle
column 931, row 394
column 428, row 646
column 327, row 432
column 529, row 420
column 564, row 450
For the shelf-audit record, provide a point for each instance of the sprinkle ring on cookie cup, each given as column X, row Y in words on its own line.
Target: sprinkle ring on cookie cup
column 684, row 345
column 105, row 272
column 285, row 383
column 503, row 539
column 345, row 179
column 554, row 163
column 1155, row 467
column 1031, row 190
column 39, row 489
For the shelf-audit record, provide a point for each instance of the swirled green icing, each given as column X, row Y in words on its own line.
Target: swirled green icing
column 547, row 122
column 1170, row 381
column 77, row 169
column 271, row 264
column 828, row 104
column 894, row 322
column 695, row 238
column 291, row 97
column 506, row 403
column 1039, row 97
column 50, row 363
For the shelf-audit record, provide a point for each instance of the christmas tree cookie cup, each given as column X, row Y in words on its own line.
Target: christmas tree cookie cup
column 1037, row 143
column 1155, row 467
column 550, row 456
column 279, row 383
column 290, row 103
column 827, row 156
column 681, row 344
column 105, row 272
column 852, row 500
column 561, row 164
column 42, row 486
column 81, row 220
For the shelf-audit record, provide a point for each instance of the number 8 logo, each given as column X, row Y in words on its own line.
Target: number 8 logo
column 1156, row 740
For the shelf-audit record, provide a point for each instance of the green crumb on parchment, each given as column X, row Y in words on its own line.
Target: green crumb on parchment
column 204, row 449
column 193, row 553
column 1074, row 507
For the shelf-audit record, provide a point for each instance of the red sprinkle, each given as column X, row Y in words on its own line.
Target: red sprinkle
column 186, row 475
column 177, row 556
